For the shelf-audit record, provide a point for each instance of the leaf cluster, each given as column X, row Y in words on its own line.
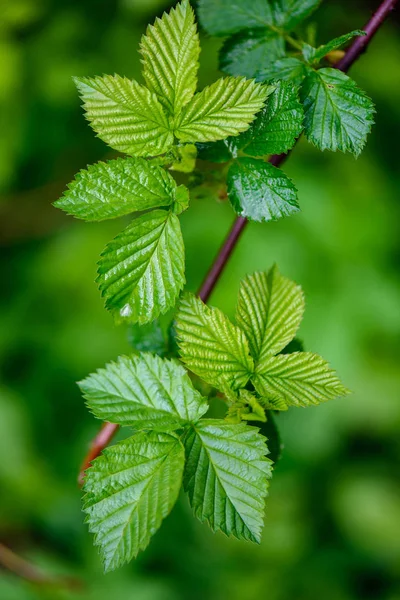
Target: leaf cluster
column 221, row 464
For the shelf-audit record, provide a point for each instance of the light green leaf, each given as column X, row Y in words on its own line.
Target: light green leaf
column 289, row 13
column 270, row 309
column 338, row 114
column 288, row 68
column 226, row 107
column 277, row 125
column 145, row 392
column 116, row 188
column 223, row 17
column 314, row 55
column 226, row 477
column 243, row 53
column 125, row 115
column 259, row 191
column 170, row 51
column 211, row 346
column 129, row 491
column 141, row 272
column 298, row 379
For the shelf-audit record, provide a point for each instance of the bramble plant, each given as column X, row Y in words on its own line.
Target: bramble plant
column 277, row 85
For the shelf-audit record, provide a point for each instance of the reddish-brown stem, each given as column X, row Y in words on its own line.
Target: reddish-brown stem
column 358, row 47
column 24, row 569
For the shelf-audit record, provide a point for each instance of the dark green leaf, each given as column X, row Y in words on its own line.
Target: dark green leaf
column 223, row 17
column 338, row 114
column 314, row 55
column 243, row 53
column 148, row 338
column 289, row 69
column 259, row 191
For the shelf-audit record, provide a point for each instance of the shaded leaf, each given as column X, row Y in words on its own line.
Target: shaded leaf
column 289, row 13
column 223, row 17
column 288, row 68
column 241, row 54
column 314, row 55
column 148, row 338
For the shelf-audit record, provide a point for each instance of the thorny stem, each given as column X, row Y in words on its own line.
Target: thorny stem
column 357, row 48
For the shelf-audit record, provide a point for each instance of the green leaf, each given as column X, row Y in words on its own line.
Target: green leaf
column 226, row 107
column 141, row 272
column 129, row 491
column 288, row 68
column 223, row 17
column 259, row 191
column 270, row 431
column 298, row 379
column 211, row 346
column 314, row 55
column 242, row 53
column 226, row 477
column 148, row 338
column 170, row 51
column 125, row 115
column 218, row 152
column 338, row 115
column 116, row 188
column 145, row 392
column 269, row 311
column 289, row 13
column 186, row 162
column 277, row 125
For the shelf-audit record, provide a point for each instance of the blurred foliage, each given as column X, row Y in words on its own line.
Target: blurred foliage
column 333, row 515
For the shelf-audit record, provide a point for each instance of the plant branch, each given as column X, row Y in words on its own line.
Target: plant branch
column 358, row 47
column 24, row 569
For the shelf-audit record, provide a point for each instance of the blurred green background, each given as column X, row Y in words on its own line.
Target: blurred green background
column 333, row 516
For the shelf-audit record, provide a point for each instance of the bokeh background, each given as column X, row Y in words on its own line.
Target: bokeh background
column 333, row 516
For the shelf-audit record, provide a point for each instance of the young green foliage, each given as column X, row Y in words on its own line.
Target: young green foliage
column 141, row 271
column 222, row 463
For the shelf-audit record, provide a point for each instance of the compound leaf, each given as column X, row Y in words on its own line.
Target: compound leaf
column 269, row 311
column 145, row 392
column 242, row 53
column 225, row 108
column 141, row 272
column 314, row 55
column 125, row 115
column 226, row 477
column 297, row 379
column 129, row 491
column 338, row 114
column 223, row 17
column 211, row 346
column 116, row 188
column 277, row 125
column 259, row 191
column 170, row 51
